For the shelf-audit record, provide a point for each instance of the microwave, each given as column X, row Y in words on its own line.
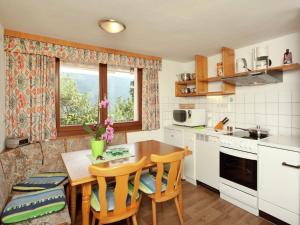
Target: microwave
column 189, row 117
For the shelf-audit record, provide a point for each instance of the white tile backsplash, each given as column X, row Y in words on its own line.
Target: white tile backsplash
column 285, row 108
column 285, row 121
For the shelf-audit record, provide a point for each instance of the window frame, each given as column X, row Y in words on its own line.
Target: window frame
column 77, row 129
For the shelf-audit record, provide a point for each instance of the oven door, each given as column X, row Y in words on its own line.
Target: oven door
column 239, row 167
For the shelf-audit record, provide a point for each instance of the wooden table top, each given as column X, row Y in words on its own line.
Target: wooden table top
column 77, row 162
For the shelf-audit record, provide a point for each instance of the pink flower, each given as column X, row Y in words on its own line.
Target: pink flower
column 108, row 122
column 104, row 103
column 109, row 130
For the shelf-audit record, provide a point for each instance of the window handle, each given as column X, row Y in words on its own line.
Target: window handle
column 292, row 166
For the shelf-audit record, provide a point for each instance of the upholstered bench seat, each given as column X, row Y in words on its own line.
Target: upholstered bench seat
column 33, row 205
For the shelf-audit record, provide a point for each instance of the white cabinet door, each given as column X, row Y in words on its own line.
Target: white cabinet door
column 189, row 164
column 173, row 137
column 207, row 160
column 278, row 183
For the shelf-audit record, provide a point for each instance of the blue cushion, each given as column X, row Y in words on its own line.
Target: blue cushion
column 41, row 181
column 148, row 183
column 95, row 204
column 33, row 205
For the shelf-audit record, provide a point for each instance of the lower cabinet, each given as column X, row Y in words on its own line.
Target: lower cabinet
column 182, row 137
column 189, row 161
column 279, row 183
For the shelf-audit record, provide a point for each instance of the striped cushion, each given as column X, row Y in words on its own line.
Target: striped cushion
column 110, row 197
column 33, row 205
column 148, row 182
column 41, row 181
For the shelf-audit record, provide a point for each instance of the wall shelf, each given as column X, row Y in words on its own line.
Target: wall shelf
column 188, row 82
column 202, row 79
column 288, row 67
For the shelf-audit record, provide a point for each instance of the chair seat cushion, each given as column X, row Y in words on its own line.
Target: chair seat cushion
column 95, row 204
column 33, row 205
column 41, row 181
column 148, row 182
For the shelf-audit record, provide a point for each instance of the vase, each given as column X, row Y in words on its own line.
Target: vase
column 97, row 147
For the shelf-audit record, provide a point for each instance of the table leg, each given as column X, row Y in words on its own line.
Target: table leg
column 73, row 204
column 86, row 194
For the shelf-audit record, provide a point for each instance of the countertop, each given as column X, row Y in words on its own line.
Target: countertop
column 291, row 143
column 208, row 130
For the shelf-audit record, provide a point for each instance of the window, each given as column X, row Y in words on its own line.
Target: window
column 122, row 94
column 79, row 94
column 79, row 88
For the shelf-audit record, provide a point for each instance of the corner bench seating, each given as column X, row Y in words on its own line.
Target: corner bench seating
column 20, row 163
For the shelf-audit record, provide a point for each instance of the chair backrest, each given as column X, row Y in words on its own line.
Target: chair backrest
column 121, row 174
column 174, row 161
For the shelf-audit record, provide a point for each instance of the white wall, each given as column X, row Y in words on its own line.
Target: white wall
column 2, row 91
column 167, row 79
column 274, row 106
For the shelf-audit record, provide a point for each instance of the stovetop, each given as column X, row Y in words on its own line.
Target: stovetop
column 245, row 135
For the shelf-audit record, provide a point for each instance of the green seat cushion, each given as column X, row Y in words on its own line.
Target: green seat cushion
column 41, row 181
column 148, row 182
column 95, row 204
column 34, row 204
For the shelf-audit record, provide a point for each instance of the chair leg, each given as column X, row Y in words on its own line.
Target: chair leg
column 94, row 220
column 128, row 221
column 134, row 220
column 179, row 210
column 153, row 212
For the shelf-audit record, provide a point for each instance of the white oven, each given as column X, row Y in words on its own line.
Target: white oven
column 238, row 172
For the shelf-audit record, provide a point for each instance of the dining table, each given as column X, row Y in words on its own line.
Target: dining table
column 77, row 165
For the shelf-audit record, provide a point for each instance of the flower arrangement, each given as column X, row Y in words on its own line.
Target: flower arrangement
column 100, row 132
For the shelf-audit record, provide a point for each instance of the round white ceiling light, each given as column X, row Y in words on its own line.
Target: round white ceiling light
column 111, row 26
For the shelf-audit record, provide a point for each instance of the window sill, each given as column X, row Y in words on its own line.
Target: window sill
column 78, row 130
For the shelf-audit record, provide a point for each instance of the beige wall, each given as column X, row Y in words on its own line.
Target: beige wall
column 2, row 92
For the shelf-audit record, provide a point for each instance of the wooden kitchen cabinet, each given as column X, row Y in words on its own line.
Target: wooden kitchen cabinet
column 279, row 183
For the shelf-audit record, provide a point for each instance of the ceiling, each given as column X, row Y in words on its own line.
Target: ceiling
column 172, row 29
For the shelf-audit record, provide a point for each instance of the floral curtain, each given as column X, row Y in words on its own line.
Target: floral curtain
column 150, row 100
column 71, row 54
column 30, row 96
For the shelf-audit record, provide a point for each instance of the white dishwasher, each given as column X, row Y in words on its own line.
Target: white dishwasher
column 207, row 159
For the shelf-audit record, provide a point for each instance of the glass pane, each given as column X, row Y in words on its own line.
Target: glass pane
column 79, row 91
column 122, row 94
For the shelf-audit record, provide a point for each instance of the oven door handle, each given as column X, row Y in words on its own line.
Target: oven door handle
column 240, row 154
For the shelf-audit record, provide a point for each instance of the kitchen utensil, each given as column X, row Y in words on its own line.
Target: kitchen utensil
column 193, row 90
column 256, row 132
column 193, row 76
column 185, row 76
column 241, row 65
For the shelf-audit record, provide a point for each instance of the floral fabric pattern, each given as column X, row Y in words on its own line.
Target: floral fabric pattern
column 150, row 100
column 30, row 96
column 76, row 55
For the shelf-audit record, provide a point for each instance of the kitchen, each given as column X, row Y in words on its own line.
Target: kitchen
column 256, row 169
column 211, row 87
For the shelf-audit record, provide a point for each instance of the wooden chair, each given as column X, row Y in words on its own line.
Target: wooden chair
column 162, row 186
column 74, row 145
column 123, row 200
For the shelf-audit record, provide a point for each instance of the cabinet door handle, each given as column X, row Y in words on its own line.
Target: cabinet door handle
column 289, row 165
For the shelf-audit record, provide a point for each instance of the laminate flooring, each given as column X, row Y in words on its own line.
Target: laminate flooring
column 201, row 206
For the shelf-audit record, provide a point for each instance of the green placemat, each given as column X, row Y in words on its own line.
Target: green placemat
column 111, row 154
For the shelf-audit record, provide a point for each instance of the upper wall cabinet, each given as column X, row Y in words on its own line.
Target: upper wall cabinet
column 202, row 79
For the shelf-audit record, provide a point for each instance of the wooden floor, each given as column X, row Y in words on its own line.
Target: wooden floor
column 201, row 206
